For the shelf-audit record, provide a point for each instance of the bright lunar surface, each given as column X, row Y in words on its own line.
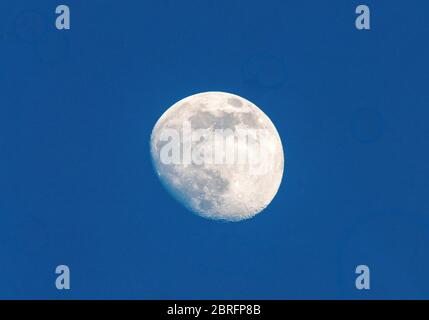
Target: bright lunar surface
column 218, row 174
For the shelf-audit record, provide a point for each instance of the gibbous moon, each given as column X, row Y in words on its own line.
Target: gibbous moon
column 219, row 155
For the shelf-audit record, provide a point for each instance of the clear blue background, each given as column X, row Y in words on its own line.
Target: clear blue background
column 76, row 182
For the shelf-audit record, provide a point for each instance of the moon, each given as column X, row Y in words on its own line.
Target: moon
column 204, row 160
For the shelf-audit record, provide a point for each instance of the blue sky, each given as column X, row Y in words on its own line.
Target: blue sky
column 76, row 182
